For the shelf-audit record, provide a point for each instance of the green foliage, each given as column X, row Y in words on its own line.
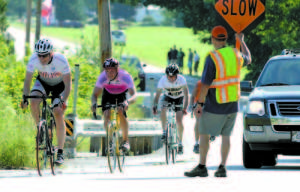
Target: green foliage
column 120, row 10
column 16, row 7
column 70, row 10
column 148, row 21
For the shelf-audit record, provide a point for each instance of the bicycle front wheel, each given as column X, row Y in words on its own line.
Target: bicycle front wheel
column 120, row 153
column 41, row 149
column 167, row 144
column 51, row 148
column 111, row 151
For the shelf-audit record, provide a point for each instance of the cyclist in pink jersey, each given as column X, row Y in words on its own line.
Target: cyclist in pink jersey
column 113, row 83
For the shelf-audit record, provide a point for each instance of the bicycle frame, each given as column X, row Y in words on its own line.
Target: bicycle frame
column 112, row 135
column 45, row 149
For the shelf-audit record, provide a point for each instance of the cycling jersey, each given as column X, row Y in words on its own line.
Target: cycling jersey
column 120, row 84
column 51, row 73
column 172, row 89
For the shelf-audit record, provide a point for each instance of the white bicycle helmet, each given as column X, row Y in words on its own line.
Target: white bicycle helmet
column 43, row 46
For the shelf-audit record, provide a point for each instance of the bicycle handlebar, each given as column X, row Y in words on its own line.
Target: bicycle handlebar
column 107, row 105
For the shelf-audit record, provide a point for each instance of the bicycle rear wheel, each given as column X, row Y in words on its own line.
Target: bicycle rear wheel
column 167, row 144
column 111, row 153
column 41, row 149
column 120, row 153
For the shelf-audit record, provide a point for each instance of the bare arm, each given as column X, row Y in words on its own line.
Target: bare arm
column 27, row 83
column 157, row 95
column 203, row 93
column 97, row 91
column 186, row 96
column 244, row 47
column 132, row 93
column 68, row 84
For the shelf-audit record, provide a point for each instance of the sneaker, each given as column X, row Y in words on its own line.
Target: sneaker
column 180, row 149
column 163, row 136
column 59, row 159
column 125, row 146
column 197, row 171
column 196, row 148
column 221, row 172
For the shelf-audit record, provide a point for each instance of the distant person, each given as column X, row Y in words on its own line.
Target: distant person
column 190, row 60
column 174, row 55
column 180, row 57
column 196, row 62
column 169, row 56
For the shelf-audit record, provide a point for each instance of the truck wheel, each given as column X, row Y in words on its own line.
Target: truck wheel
column 251, row 159
column 269, row 159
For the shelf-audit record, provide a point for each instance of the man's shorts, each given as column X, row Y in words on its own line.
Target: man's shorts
column 178, row 101
column 216, row 124
column 44, row 88
column 108, row 98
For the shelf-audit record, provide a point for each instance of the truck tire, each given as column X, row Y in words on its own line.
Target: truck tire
column 269, row 159
column 251, row 159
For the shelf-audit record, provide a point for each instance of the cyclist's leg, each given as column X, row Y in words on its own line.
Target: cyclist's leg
column 163, row 115
column 58, row 113
column 37, row 90
column 179, row 117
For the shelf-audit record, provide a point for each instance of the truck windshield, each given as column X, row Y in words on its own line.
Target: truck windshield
column 280, row 72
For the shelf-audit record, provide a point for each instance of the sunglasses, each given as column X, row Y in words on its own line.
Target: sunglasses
column 43, row 56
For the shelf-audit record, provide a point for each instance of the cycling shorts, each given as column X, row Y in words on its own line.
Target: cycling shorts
column 108, row 98
column 55, row 90
column 178, row 101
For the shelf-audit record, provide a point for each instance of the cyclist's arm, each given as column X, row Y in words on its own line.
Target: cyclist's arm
column 186, row 96
column 68, row 84
column 96, row 93
column 157, row 95
column 132, row 93
column 27, row 83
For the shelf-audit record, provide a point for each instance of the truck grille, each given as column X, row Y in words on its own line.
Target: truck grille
column 289, row 108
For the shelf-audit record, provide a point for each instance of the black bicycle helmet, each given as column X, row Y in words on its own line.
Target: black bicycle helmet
column 43, row 46
column 111, row 62
column 172, row 70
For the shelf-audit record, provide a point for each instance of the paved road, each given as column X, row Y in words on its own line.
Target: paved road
column 149, row 172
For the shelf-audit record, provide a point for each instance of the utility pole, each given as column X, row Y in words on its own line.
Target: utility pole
column 38, row 20
column 105, row 52
column 104, row 30
column 28, row 21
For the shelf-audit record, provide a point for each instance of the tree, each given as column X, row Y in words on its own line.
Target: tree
column 69, row 10
column 16, row 7
column 120, row 10
column 3, row 21
column 279, row 30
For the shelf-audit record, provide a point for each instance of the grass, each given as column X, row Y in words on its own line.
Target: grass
column 150, row 44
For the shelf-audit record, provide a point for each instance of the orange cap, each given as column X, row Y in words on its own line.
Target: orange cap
column 219, row 32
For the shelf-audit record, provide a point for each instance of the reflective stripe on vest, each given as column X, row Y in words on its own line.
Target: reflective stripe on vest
column 228, row 63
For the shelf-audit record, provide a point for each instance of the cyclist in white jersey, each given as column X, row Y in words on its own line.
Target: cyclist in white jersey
column 174, row 89
column 54, row 77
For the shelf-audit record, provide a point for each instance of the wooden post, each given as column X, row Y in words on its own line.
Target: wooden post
column 38, row 20
column 28, row 21
column 104, row 30
column 105, row 50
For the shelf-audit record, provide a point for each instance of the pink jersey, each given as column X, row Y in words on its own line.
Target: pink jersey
column 118, row 85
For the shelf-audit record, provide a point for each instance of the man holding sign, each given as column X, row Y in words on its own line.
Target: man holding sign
column 217, row 105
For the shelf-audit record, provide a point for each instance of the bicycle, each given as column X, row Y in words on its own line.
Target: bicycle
column 114, row 154
column 172, row 139
column 45, row 151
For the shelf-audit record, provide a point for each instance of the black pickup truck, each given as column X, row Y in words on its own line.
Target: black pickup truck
column 272, row 116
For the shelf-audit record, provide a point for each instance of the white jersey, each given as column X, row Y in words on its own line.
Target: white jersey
column 173, row 90
column 51, row 73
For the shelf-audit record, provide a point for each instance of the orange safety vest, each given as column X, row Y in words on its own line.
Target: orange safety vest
column 228, row 62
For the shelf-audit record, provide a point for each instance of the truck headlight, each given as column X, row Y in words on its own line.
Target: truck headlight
column 256, row 107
